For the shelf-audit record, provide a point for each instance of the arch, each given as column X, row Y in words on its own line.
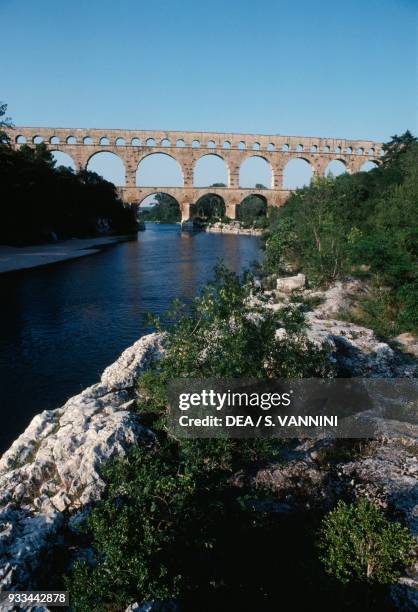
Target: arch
column 211, row 144
column 241, row 145
column 87, row 140
column 226, row 144
column 256, row 146
column 150, row 142
column 210, row 169
column 20, row 139
column 370, row 151
column 368, row 165
column 297, row 173
column 314, row 148
column 271, row 146
column 104, row 141
column 255, row 170
column 71, row 140
column 209, row 206
column 251, row 208
column 136, row 142
column 165, row 142
column 120, row 142
column 54, row 140
column 37, row 139
column 381, row 153
column 109, row 166
column 159, row 169
column 336, row 167
column 349, row 150
column 195, row 144
column 326, row 149
column 337, row 149
column 360, row 151
column 285, row 147
column 180, row 142
column 299, row 148
column 159, row 206
column 63, row 159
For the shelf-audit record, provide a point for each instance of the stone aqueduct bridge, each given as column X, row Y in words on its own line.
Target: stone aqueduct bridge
column 187, row 148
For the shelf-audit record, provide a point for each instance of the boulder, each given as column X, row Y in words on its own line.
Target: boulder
column 287, row 284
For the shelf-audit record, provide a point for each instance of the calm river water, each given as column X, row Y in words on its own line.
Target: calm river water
column 61, row 325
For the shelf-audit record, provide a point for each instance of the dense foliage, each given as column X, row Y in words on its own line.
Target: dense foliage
column 364, row 224
column 359, row 544
column 166, row 210
column 41, row 202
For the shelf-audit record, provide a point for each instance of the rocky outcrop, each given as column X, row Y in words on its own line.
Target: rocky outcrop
column 233, row 227
column 53, row 468
column 288, row 284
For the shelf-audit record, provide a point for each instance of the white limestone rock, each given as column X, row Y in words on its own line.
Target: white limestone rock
column 54, row 466
column 287, row 284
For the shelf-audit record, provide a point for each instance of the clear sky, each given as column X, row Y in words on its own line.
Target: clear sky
column 321, row 68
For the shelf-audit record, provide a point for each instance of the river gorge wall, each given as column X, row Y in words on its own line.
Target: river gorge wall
column 50, row 476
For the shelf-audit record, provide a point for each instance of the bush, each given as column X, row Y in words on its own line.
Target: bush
column 359, row 544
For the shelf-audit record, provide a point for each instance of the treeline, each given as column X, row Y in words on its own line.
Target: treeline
column 365, row 224
column 41, row 202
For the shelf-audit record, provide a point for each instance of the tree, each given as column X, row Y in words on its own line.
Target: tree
column 397, row 146
column 5, row 122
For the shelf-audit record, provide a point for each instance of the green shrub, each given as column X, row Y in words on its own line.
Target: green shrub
column 359, row 544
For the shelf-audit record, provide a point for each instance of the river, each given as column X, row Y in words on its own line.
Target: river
column 62, row 324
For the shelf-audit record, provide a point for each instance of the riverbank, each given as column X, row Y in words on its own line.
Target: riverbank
column 51, row 474
column 22, row 258
column 234, row 227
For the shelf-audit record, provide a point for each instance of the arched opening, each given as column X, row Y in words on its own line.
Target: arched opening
column 159, row 169
column 37, row 139
column 211, row 144
column 109, row 166
column 135, row 142
column 360, row 151
column 63, row 159
column 210, row 170
column 226, row 145
column 252, row 209
column 120, row 142
column 256, row 146
column 104, row 140
column 337, row 149
column 371, row 151
column 270, row 146
column 241, row 145
column 335, row 168
column 299, row 148
column 285, row 148
column 87, row 140
column 159, row 207
column 297, row 173
column 195, row 144
column 71, row 140
column 326, row 149
column 314, row 148
column 20, row 140
column 209, row 207
column 349, row 150
column 180, row 143
column 368, row 165
column 165, row 142
column 54, row 140
column 256, row 172
column 150, row 142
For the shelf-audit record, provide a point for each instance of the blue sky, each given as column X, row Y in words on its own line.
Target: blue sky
column 328, row 68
